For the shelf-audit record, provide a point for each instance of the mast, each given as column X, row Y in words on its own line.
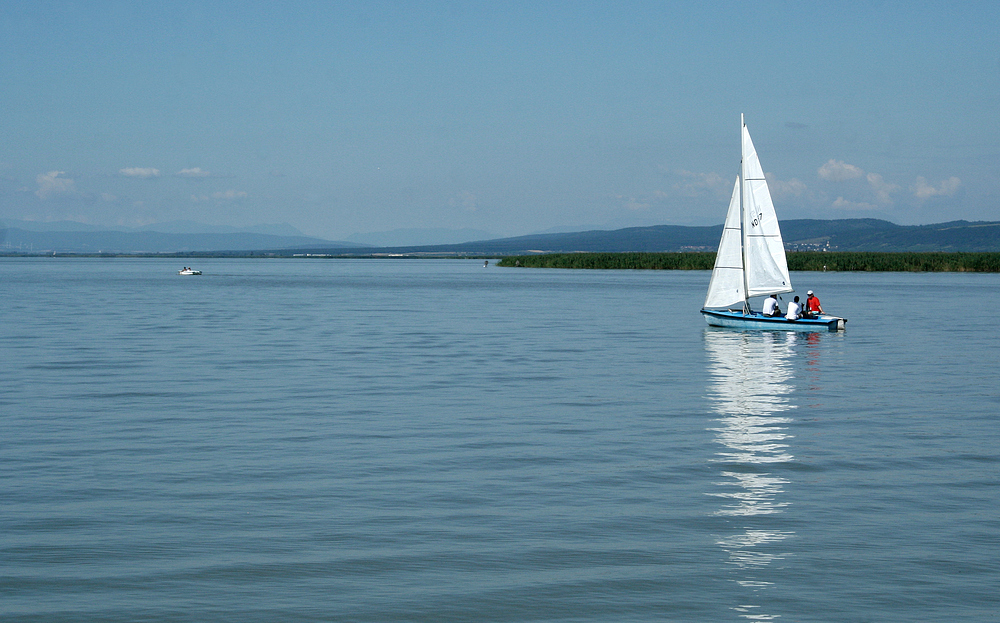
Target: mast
column 743, row 220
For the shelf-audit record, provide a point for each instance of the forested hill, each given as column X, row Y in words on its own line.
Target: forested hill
column 802, row 234
column 876, row 235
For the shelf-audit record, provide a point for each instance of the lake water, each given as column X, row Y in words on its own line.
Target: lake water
column 432, row 440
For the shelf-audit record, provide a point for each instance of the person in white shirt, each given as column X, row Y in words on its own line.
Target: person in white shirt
column 771, row 306
column 794, row 310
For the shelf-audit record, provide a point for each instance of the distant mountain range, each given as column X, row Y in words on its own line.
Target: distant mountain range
column 803, row 234
column 172, row 237
column 422, row 237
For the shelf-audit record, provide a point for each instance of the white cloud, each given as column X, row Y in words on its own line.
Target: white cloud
column 697, row 184
column 882, row 188
column 465, row 199
column 923, row 190
column 144, row 172
column 781, row 188
column 193, row 172
column 50, row 185
column 844, row 204
column 839, row 171
column 634, row 204
column 227, row 195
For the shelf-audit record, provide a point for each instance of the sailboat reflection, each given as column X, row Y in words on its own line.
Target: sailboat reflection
column 750, row 391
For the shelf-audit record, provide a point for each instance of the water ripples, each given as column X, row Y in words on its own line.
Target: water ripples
column 378, row 441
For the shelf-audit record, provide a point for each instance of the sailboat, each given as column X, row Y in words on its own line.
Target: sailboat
column 751, row 258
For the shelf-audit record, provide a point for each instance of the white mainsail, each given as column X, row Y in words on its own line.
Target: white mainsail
column 751, row 257
column 766, row 268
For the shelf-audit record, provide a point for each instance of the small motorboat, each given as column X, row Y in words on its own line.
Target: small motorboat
column 188, row 271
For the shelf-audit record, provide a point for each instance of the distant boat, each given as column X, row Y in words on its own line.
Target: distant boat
column 188, row 271
column 751, row 258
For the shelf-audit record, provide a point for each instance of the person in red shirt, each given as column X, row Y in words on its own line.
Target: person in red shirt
column 813, row 307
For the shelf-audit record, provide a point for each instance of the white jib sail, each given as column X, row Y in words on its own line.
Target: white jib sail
column 726, row 287
column 766, row 268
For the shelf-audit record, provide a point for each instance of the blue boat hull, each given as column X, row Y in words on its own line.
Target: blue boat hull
column 758, row 322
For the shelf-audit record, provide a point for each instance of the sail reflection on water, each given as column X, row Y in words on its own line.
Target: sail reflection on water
column 750, row 391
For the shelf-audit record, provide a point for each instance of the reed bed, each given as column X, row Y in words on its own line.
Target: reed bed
column 797, row 261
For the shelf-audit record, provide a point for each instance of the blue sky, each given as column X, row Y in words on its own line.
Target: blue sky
column 346, row 117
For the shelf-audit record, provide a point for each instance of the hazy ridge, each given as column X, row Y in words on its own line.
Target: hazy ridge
column 801, row 234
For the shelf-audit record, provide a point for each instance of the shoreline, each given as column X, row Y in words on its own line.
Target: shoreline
column 798, row 261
